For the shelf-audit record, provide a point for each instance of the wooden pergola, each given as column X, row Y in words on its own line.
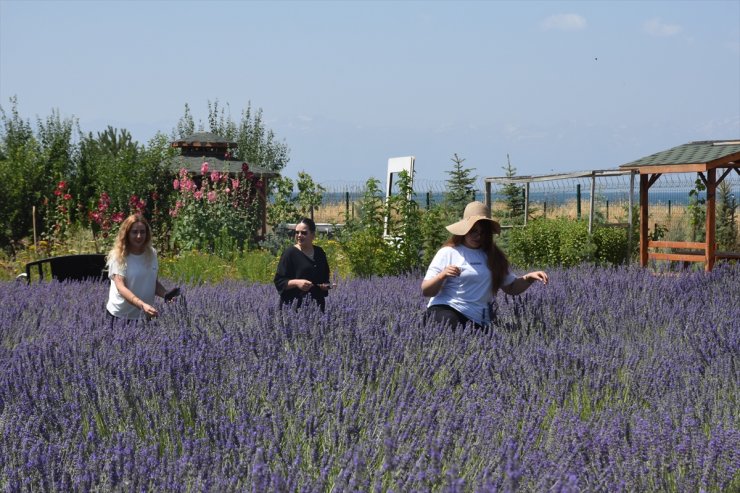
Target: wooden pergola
column 707, row 159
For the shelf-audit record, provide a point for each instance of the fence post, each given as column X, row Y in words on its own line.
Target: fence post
column 578, row 201
column 669, row 207
column 346, row 205
column 544, row 210
column 526, row 202
column 429, row 200
column 592, row 203
column 607, row 210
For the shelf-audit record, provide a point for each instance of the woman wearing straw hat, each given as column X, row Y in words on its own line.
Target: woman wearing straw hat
column 469, row 269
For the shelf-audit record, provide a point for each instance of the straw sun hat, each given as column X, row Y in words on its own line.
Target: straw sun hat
column 474, row 212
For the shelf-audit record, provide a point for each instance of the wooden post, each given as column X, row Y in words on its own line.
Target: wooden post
column 526, row 202
column 263, row 200
column 346, row 205
column 488, row 195
column 544, row 210
column 711, row 209
column 578, row 201
column 630, row 215
column 643, row 220
column 33, row 220
column 592, row 203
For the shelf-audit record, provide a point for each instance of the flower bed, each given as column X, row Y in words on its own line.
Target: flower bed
column 606, row 380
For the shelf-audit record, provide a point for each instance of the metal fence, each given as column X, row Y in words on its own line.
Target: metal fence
column 563, row 195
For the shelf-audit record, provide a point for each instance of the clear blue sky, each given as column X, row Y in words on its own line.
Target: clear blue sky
column 559, row 86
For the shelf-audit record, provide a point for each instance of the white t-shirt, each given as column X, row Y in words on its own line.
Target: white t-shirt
column 141, row 278
column 470, row 292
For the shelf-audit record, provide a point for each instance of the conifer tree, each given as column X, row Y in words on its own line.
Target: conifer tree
column 460, row 190
column 513, row 194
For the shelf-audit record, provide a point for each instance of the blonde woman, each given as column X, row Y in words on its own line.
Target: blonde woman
column 132, row 269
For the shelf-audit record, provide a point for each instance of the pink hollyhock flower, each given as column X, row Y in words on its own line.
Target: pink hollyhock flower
column 212, row 196
column 234, row 183
column 227, row 190
column 62, row 185
column 198, row 195
column 176, row 184
column 215, row 176
column 67, row 196
column 117, row 217
column 204, row 169
column 57, row 192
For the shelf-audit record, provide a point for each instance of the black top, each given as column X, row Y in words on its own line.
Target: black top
column 294, row 264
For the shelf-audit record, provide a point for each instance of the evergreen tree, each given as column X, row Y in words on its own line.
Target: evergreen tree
column 460, row 190
column 513, row 194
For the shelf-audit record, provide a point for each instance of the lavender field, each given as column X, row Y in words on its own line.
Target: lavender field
column 605, row 380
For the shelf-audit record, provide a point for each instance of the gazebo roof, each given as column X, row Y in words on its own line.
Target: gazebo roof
column 194, row 163
column 691, row 157
column 204, row 139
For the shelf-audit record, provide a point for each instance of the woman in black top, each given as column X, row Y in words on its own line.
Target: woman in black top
column 303, row 270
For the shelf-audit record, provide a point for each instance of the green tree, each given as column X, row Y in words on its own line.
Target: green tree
column 283, row 208
column 310, row 194
column 256, row 144
column 727, row 237
column 362, row 236
column 404, row 226
column 185, row 126
column 513, row 195
column 23, row 181
column 697, row 211
column 460, row 189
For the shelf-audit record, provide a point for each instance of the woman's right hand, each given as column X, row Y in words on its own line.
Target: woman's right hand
column 450, row 271
column 304, row 284
column 149, row 310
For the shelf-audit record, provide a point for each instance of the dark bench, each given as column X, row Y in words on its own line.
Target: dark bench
column 70, row 267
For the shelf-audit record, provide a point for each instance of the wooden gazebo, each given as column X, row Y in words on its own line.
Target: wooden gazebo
column 707, row 159
column 200, row 147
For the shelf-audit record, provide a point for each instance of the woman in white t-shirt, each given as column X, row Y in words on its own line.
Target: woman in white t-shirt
column 469, row 269
column 132, row 269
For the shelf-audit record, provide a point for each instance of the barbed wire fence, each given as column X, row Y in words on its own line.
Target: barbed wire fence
column 566, row 196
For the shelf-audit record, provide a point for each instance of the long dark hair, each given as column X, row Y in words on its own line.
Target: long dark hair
column 497, row 262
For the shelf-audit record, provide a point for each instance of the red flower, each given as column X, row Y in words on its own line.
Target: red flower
column 67, row 196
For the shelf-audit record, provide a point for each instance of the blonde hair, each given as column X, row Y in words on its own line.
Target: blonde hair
column 121, row 247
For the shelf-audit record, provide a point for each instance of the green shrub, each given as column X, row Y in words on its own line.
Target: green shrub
column 564, row 242
column 611, row 245
column 256, row 266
